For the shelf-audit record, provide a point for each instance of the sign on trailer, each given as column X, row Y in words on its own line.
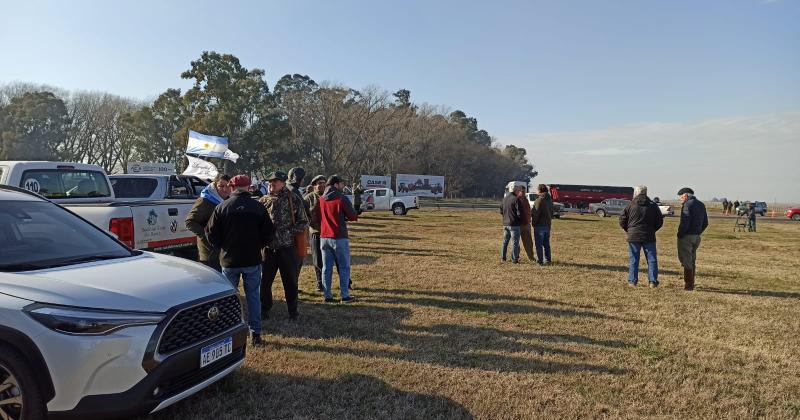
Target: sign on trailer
column 420, row 185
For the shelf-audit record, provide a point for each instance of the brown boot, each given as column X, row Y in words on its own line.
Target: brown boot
column 688, row 279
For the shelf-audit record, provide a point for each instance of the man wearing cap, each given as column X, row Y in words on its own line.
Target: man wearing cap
column 694, row 220
column 640, row 220
column 512, row 218
column 198, row 217
column 315, row 191
column 335, row 211
column 240, row 227
column 288, row 214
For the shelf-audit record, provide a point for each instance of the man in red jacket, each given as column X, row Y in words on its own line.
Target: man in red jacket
column 335, row 211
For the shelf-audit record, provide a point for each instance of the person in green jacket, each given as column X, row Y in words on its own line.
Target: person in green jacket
column 198, row 217
column 311, row 198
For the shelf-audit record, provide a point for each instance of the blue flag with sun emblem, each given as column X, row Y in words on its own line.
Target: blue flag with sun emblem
column 204, row 145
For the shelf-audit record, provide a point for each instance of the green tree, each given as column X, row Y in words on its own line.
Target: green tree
column 32, row 126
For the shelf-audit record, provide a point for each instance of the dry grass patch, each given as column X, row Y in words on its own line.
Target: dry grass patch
column 442, row 329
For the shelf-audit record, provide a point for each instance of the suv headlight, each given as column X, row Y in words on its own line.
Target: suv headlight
column 82, row 321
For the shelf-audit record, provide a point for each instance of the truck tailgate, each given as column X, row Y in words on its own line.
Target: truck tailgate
column 159, row 225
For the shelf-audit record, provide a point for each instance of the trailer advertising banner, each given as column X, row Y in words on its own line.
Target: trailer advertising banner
column 420, row 185
column 369, row 182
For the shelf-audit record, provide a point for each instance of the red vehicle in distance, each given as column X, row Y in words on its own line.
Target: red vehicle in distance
column 581, row 196
column 793, row 213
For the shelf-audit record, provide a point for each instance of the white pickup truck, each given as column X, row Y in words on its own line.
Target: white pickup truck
column 384, row 199
column 85, row 190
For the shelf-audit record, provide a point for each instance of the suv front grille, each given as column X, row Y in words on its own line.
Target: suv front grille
column 193, row 325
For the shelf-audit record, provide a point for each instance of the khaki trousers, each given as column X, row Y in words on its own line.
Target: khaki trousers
column 527, row 240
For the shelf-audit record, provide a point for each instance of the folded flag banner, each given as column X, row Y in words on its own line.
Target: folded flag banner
column 201, row 168
column 231, row 155
column 204, row 145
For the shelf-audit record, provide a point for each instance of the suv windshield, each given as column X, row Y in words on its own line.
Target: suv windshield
column 65, row 183
column 35, row 235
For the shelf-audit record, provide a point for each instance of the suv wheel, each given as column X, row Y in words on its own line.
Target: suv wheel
column 796, row 217
column 399, row 209
column 20, row 398
column 601, row 213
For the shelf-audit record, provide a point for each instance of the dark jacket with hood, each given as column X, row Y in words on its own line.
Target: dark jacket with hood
column 240, row 226
column 543, row 210
column 512, row 214
column 335, row 210
column 641, row 219
column 294, row 184
column 694, row 219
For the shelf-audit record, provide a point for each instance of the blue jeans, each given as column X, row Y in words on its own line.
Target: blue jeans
column 512, row 233
column 652, row 261
column 252, row 292
column 335, row 253
column 541, row 235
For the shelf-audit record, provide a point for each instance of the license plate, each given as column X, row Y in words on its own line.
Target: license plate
column 213, row 352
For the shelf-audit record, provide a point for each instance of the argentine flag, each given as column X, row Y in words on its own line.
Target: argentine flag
column 205, row 145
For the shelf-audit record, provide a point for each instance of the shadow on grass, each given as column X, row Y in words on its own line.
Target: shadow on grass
column 449, row 345
column 250, row 394
column 757, row 293
column 395, row 237
column 616, row 268
column 580, row 219
column 362, row 260
column 414, row 252
column 468, row 296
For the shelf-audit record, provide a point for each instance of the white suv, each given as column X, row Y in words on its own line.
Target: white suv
column 90, row 328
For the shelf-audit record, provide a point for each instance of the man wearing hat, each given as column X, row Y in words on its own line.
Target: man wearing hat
column 335, row 211
column 288, row 214
column 315, row 191
column 694, row 220
column 240, row 227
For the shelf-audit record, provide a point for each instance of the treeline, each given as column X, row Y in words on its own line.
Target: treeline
column 324, row 127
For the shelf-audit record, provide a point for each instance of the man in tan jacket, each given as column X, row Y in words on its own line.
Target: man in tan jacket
column 316, row 189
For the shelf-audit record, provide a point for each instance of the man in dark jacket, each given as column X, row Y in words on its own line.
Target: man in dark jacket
column 512, row 218
column 694, row 220
column 198, row 217
column 542, row 220
column 315, row 191
column 335, row 211
column 240, row 227
column 641, row 219
column 289, row 217
column 751, row 217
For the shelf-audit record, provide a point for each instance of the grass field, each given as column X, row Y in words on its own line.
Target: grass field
column 442, row 329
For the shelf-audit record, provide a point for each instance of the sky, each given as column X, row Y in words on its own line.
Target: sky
column 613, row 92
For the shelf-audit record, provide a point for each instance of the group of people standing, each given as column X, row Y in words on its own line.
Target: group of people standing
column 729, row 206
column 518, row 218
column 253, row 238
column 641, row 219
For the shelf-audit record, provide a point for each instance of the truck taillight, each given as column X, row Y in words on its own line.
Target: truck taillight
column 123, row 228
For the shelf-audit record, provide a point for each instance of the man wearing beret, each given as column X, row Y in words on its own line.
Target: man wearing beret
column 694, row 220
